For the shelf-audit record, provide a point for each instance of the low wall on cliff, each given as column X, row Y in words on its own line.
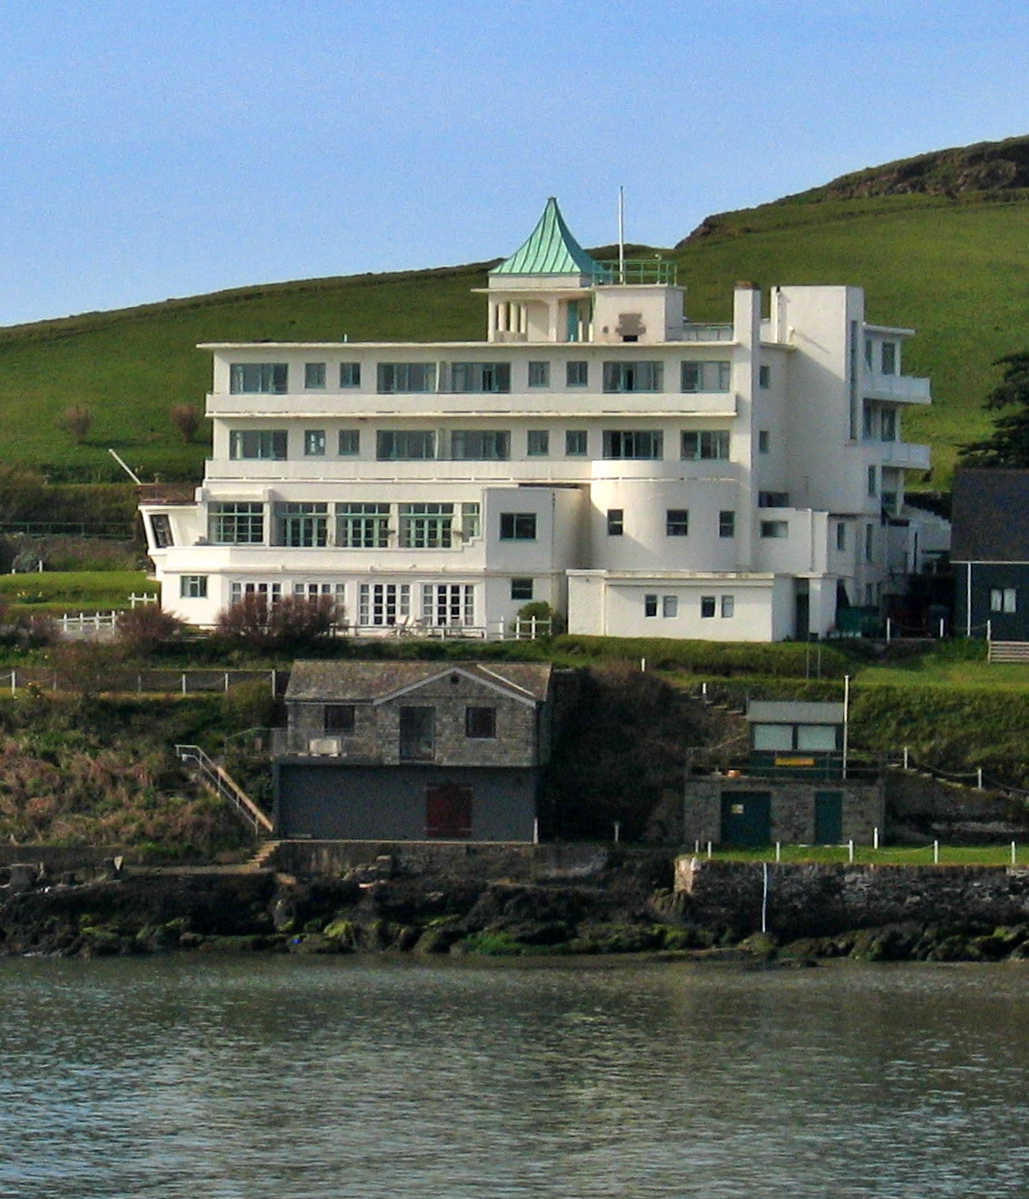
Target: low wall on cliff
column 822, row 900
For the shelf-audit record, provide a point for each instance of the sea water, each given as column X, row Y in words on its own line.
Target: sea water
column 251, row 1076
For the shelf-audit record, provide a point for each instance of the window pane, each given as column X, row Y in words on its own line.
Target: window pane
column 677, row 522
column 401, row 444
column 577, row 374
column 633, row 443
column 538, row 443
column 773, row 736
column 314, row 442
column 349, row 443
column 517, row 526
column 350, row 374
column 314, row 374
column 576, row 443
column 539, row 374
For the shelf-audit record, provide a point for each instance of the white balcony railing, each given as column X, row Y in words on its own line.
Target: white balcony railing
column 904, row 389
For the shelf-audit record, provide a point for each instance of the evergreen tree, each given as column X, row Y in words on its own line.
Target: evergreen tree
column 1008, row 444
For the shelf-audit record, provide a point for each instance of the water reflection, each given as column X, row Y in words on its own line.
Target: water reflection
column 193, row 1076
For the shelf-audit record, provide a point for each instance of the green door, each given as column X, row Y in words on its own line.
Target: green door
column 828, row 817
column 746, row 818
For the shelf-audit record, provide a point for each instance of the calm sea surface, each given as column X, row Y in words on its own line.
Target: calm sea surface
column 292, row 1078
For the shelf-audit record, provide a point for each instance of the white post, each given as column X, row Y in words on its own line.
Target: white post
column 618, row 831
column 968, row 600
column 696, row 847
column 536, row 831
column 989, row 630
column 226, row 680
column 703, row 690
column 1012, row 853
column 889, row 629
column 14, row 675
column 850, row 850
column 905, row 757
column 643, row 665
column 764, row 899
column 183, row 682
column 941, row 628
column 875, row 837
column 846, row 720
column 778, row 851
column 709, row 849
column 936, row 853
column 979, row 779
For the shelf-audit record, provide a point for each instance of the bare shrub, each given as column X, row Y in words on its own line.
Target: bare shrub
column 77, row 420
column 289, row 624
column 186, row 418
column 146, row 629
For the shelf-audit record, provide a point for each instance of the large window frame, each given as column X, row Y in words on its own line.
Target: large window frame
column 362, row 526
column 426, row 526
column 405, row 445
column 480, row 445
column 251, row 444
column 633, row 376
column 401, row 377
column 302, row 525
column 698, row 445
column 480, row 377
column 235, row 523
column 637, row 444
column 518, row 526
column 248, row 378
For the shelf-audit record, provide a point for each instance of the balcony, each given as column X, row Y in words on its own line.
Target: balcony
column 636, row 271
column 691, row 332
column 904, row 454
column 902, row 389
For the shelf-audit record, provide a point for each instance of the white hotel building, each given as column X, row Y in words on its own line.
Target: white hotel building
column 643, row 474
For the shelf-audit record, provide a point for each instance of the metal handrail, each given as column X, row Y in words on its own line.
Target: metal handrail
column 219, row 779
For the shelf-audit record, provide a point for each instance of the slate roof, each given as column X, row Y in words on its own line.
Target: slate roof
column 357, row 682
column 990, row 515
column 549, row 250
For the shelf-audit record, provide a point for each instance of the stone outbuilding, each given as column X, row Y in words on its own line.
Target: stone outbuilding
column 412, row 751
column 796, row 785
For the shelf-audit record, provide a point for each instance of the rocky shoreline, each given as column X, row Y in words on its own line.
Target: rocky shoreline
column 625, row 905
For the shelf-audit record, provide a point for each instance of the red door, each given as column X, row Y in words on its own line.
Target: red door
column 448, row 811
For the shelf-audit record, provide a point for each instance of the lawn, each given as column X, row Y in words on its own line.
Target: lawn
column 74, row 591
column 888, row 855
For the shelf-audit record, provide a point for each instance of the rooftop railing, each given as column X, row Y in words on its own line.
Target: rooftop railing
column 637, row 270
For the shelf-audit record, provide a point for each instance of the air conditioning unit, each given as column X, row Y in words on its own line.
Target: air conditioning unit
column 328, row 747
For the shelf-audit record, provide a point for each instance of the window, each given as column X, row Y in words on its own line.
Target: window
column 841, row 536
column 633, row 376
column 338, row 718
column 349, row 443
column 869, row 542
column 707, row 606
column 615, row 522
column 362, row 526
column 404, row 444
column 258, row 376
column 577, row 374
column 383, row 603
column 538, row 443
column 889, row 424
column 258, row 443
column 193, row 586
column 1002, row 599
column 350, row 374
column 889, row 502
column 764, row 377
column 448, row 604
column 539, row 374
column 417, row 734
column 269, row 592
column 480, row 376
column 314, row 443
column 406, row 376
column 650, row 605
column 773, row 499
column 763, row 441
column 728, row 603
column 470, row 521
column 704, row 376
column 521, row 589
column 236, row 524
column 889, row 358
column 775, row 528
column 727, row 523
column 160, row 528
column 302, row 525
column 426, row 526
column 480, row 723
column 868, row 423
column 313, row 591
column 314, row 374
column 677, row 522
column 669, row 605
column 704, row 443
column 632, row 443
column 868, row 352
column 873, row 487
column 576, row 441
column 518, row 526
column 480, row 445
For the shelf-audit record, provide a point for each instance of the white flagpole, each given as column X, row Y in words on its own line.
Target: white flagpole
column 621, row 235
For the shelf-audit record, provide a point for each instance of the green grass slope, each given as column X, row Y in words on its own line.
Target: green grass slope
column 940, row 243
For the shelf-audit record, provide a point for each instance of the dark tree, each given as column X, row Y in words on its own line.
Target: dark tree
column 1008, row 444
column 186, row 418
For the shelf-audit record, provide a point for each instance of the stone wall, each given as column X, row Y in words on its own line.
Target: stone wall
column 822, row 900
column 920, row 808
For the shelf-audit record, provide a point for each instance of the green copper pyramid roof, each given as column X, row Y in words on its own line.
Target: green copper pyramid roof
column 549, row 250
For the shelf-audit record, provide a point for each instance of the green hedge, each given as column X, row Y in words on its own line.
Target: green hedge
column 779, row 660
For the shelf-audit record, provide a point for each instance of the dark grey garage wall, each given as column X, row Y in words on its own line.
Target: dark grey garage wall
column 335, row 802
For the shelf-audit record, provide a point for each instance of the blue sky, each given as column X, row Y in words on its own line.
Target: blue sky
column 152, row 149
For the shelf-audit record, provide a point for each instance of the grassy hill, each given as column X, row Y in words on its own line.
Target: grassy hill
column 939, row 242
